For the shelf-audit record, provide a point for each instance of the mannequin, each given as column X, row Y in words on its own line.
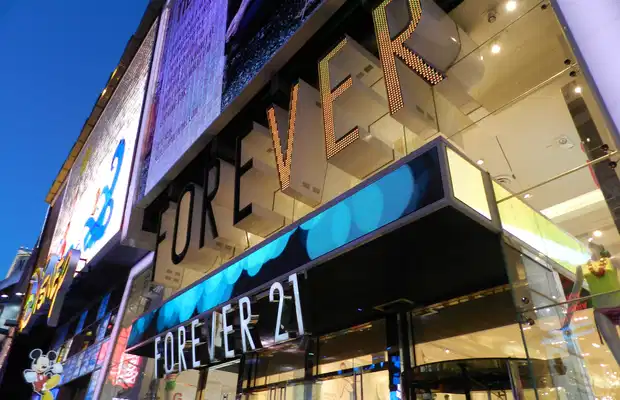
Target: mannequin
column 602, row 277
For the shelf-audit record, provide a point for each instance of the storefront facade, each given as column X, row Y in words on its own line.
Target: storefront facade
column 403, row 199
column 400, row 209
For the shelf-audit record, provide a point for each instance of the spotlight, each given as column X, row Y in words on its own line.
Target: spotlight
column 578, row 89
column 496, row 48
column 511, row 5
column 597, row 233
column 480, row 161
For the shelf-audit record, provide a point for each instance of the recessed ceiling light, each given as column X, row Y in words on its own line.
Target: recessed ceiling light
column 496, row 48
column 590, row 240
column 19, row 294
column 597, row 233
column 4, row 296
column 453, row 39
column 511, row 5
column 447, row 351
column 481, row 58
column 578, row 89
column 527, row 196
column 596, row 345
column 480, row 161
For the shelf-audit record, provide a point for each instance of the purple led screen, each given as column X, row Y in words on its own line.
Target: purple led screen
column 207, row 52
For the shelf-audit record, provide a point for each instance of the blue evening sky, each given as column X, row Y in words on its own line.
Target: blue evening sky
column 55, row 58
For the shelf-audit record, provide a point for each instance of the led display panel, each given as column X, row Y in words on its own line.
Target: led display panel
column 92, row 209
column 207, row 52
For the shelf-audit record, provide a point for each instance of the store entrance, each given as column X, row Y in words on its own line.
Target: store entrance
column 351, row 384
column 346, row 365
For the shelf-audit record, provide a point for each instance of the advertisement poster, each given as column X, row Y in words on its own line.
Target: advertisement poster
column 96, row 188
column 206, row 54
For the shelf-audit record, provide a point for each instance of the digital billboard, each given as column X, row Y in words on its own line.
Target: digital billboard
column 92, row 208
column 207, row 52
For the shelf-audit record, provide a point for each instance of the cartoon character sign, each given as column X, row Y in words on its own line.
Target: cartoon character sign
column 45, row 373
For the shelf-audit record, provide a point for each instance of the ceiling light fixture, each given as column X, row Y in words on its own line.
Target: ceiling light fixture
column 527, row 196
column 496, row 48
column 480, row 161
column 481, row 58
column 4, row 296
column 511, row 5
column 597, row 233
column 596, row 345
column 453, row 39
column 577, row 89
column 19, row 294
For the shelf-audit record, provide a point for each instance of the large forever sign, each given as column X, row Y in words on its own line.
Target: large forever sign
column 222, row 214
column 231, row 330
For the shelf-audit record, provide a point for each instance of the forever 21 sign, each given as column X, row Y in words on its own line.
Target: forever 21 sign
column 233, row 329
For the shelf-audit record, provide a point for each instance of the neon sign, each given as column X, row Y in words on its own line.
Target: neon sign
column 48, row 288
column 125, row 368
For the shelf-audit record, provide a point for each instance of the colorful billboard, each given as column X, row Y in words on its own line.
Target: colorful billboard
column 207, row 52
column 91, row 208
column 96, row 189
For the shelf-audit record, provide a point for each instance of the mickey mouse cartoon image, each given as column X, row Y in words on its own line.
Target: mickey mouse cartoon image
column 45, row 373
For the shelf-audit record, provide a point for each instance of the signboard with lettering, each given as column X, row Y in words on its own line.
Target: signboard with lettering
column 48, row 288
column 405, row 187
column 212, row 220
column 235, row 328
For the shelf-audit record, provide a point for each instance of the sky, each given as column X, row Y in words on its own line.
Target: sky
column 55, row 59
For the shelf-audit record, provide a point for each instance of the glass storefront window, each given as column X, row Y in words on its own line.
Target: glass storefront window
column 580, row 342
column 285, row 363
column 481, row 326
column 352, row 348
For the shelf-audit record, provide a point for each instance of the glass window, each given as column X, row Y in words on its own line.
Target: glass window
column 352, row 348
